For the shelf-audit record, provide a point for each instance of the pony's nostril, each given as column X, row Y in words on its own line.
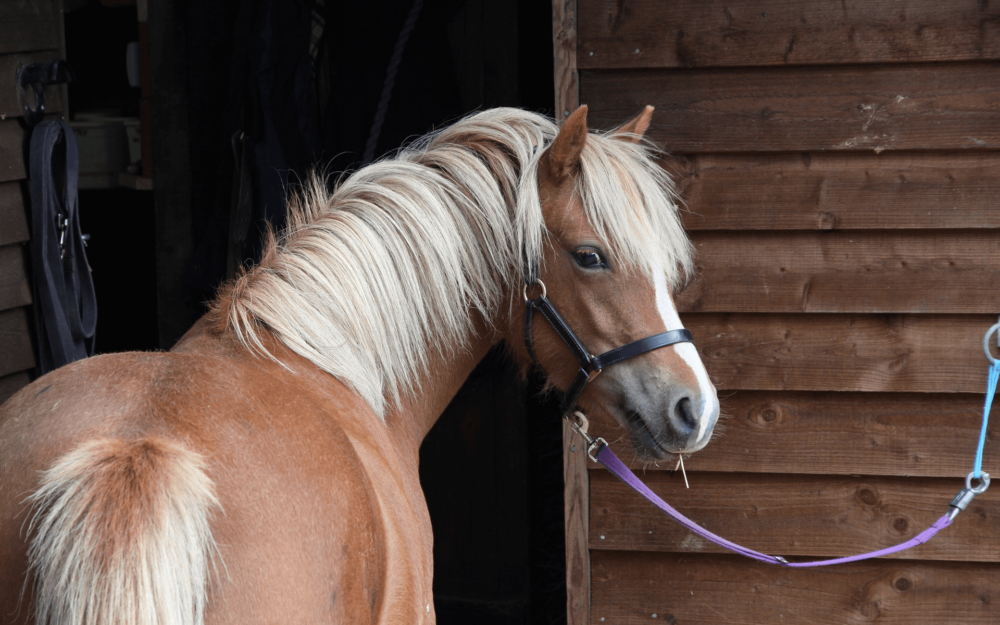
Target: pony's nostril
column 684, row 416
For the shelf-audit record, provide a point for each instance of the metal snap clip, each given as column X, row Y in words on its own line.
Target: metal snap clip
column 581, row 425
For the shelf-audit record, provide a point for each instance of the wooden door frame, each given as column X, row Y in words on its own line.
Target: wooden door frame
column 576, row 493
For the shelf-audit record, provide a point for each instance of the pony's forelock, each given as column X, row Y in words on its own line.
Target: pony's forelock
column 632, row 204
column 364, row 279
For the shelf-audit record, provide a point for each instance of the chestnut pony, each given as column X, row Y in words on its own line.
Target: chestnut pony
column 264, row 470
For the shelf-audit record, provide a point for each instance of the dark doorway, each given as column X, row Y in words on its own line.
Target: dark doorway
column 296, row 84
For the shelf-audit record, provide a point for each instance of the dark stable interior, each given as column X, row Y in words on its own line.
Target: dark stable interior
column 492, row 467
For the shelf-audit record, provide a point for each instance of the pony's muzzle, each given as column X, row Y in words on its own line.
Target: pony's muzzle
column 681, row 421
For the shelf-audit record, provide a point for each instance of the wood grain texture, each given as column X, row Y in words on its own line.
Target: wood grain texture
column 16, row 352
column 25, row 26
column 11, row 151
column 10, row 384
column 820, row 352
column 914, row 434
column 628, row 588
column 10, row 102
column 837, row 190
column 576, row 496
column 575, row 492
column 793, row 515
column 839, row 166
column 868, row 272
column 649, row 33
column 13, row 218
column 939, row 106
column 14, row 288
column 567, row 80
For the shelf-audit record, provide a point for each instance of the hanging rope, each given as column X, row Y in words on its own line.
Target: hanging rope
column 390, row 82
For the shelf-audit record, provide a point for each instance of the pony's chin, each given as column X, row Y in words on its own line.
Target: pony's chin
column 649, row 450
column 649, row 447
column 644, row 443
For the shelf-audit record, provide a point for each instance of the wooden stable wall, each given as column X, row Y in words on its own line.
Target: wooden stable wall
column 29, row 32
column 840, row 169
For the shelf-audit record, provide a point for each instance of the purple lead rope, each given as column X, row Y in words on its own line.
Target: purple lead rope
column 608, row 458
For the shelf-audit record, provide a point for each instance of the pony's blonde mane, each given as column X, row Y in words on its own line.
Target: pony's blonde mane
column 364, row 279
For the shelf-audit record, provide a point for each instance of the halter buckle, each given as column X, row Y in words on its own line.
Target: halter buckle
column 596, row 372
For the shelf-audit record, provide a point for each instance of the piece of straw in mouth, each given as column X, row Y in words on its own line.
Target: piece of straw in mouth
column 680, row 463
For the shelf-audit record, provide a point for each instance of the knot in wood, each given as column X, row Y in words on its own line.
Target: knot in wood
column 868, row 496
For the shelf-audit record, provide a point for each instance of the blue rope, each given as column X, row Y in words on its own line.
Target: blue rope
column 991, row 389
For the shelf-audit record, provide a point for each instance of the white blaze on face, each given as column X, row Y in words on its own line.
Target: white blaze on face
column 688, row 352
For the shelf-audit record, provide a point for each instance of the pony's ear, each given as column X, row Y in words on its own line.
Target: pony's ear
column 634, row 129
column 563, row 156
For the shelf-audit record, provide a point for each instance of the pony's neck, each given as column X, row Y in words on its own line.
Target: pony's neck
column 439, row 383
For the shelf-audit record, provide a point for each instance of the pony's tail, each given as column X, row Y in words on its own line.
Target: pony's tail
column 120, row 535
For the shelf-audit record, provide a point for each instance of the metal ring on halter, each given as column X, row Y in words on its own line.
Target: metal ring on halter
column 986, row 343
column 524, row 290
column 984, row 483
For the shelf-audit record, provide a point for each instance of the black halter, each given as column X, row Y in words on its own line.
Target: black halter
column 590, row 366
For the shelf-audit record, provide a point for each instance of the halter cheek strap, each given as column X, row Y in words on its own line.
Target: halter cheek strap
column 590, row 366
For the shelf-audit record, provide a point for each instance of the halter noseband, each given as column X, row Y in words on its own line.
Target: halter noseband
column 590, row 366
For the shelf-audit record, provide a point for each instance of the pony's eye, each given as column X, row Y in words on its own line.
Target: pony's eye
column 589, row 259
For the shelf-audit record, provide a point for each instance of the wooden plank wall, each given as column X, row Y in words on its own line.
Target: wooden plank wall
column 29, row 32
column 839, row 165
